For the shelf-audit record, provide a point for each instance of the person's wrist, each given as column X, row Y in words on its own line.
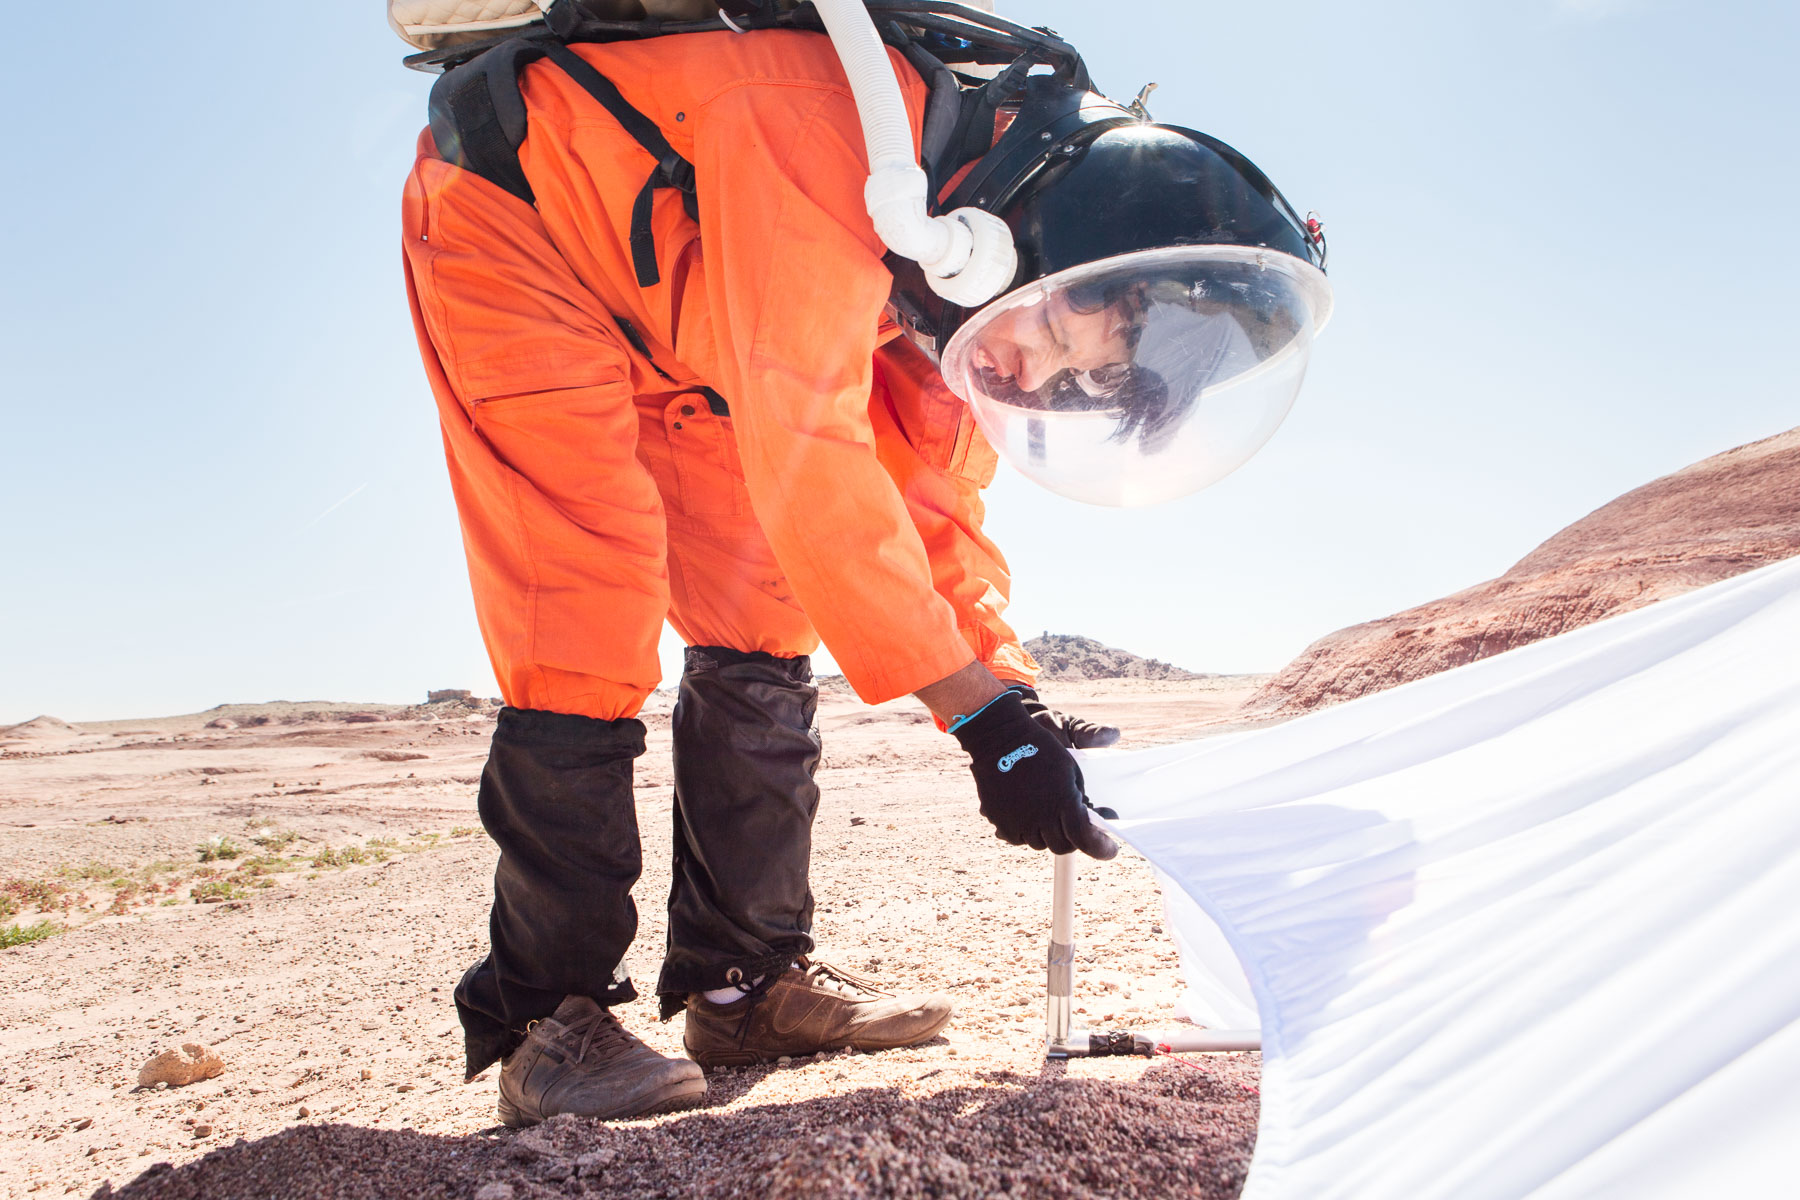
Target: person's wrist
column 1002, row 719
column 960, row 694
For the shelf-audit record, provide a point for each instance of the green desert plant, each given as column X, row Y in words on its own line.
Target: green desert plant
column 344, row 857
column 213, row 849
column 215, row 890
column 19, row 935
column 92, row 869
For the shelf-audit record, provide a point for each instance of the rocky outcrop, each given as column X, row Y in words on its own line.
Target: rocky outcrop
column 1065, row 656
column 1718, row 518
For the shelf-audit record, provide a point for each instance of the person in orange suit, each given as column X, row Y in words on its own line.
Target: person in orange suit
column 692, row 404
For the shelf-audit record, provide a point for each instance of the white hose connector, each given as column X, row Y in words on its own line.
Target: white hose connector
column 968, row 256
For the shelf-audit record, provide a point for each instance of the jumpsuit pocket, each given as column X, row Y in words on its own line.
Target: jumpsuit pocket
column 703, row 446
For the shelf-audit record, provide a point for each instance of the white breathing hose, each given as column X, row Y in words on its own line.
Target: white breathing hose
column 968, row 255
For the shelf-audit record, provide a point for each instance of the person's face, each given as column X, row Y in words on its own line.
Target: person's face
column 1027, row 347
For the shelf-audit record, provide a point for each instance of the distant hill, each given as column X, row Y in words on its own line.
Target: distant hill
column 1720, row 517
column 1066, row 656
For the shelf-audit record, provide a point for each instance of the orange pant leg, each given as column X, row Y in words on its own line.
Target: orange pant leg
column 725, row 587
column 562, row 523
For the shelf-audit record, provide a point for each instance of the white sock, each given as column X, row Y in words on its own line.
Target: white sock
column 730, row 995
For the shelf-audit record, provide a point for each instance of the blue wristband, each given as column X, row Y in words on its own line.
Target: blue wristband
column 959, row 722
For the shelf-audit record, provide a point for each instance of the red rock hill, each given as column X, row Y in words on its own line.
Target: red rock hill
column 1720, row 517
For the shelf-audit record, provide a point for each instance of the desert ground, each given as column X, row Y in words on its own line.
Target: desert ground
column 296, row 887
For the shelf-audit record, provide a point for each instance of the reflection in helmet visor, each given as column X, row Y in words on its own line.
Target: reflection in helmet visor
column 1183, row 360
column 1105, row 381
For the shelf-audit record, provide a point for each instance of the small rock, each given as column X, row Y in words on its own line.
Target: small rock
column 201, row 1131
column 305, row 1111
column 494, row 1191
column 83, row 1124
column 594, row 1162
column 403, row 1087
column 367, row 1074
column 221, row 723
column 192, row 1063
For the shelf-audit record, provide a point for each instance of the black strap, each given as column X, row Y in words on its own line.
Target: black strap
column 641, row 346
column 478, row 120
column 672, row 170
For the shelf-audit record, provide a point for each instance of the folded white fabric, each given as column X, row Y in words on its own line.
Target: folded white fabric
column 1526, row 928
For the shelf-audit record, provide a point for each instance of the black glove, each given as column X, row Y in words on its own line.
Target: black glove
column 1029, row 783
column 1071, row 731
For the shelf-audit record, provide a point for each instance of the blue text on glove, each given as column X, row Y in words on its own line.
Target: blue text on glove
column 1012, row 760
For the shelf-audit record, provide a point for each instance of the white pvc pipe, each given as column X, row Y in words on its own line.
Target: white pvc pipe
column 968, row 256
column 1204, row 1041
column 896, row 189
column 1059, row 987
column 1062, row 899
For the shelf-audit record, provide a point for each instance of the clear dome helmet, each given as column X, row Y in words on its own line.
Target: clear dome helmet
column 1164, row 312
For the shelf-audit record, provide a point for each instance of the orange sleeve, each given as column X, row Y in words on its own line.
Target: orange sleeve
column 796, row 288
column 929, row 445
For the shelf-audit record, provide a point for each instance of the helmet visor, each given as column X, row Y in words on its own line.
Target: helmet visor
column 1141, row 378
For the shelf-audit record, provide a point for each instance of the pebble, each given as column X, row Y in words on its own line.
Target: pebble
column 594, row 1161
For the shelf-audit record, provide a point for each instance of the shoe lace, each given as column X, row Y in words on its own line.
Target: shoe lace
column 825, row 975
column 598, row 1030
column 755, row 993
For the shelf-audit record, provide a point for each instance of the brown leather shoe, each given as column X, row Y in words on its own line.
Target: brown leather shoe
column 809, row 1008
column 581, row 1060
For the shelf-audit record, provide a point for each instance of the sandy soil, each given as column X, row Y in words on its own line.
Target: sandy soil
column 346, row 890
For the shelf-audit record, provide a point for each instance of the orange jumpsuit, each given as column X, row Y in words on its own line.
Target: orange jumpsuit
column 838, row 500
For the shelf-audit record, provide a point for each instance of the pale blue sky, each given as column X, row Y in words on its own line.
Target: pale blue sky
column 1562, row 242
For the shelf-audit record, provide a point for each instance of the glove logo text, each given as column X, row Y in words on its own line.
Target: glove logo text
column 1012, row 760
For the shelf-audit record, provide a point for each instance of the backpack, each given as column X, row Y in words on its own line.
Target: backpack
column 478, row 115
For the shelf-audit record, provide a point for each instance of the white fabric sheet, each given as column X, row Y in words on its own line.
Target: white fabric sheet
column 1526, row 928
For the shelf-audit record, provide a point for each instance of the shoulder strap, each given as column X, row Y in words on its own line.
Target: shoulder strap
column 672, row 170
column 478, row 121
